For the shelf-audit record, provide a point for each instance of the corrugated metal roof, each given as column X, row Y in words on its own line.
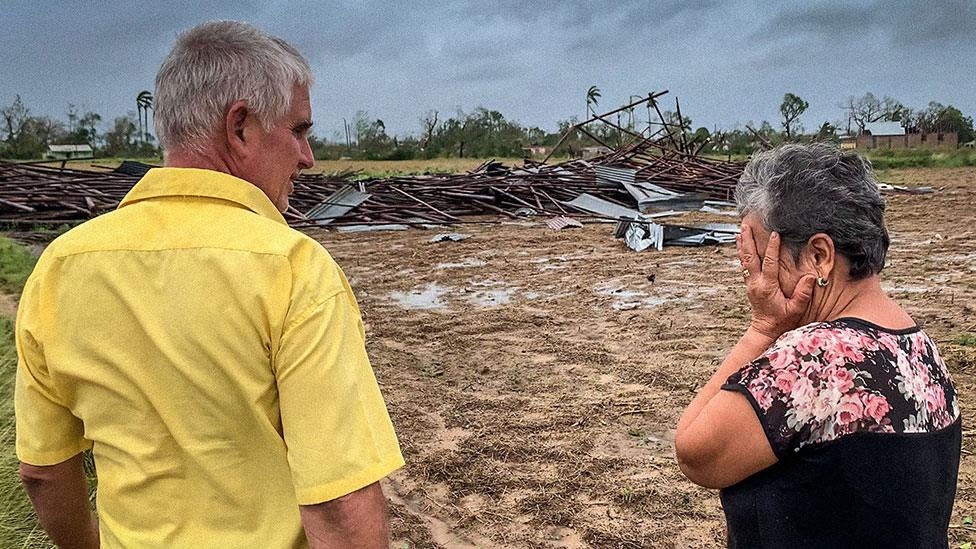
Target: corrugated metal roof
column 339, row 204
column 613, row 175
column 562, row 222
column 592, row 204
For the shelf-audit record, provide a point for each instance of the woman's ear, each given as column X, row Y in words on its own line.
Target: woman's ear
column 821, row 256
column 234, row 127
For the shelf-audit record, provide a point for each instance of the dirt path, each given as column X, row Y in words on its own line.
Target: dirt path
column 535, row 376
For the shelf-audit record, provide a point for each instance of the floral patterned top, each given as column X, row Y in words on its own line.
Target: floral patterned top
column 828, row 380
column 865, row 423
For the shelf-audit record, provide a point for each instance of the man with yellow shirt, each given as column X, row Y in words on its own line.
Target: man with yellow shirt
column 211, row 357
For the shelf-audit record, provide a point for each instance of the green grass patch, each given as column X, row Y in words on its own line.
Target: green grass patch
column 16, row 263
column 891, row 159
column 19, row 524
column 966, row 340
column 20, row 527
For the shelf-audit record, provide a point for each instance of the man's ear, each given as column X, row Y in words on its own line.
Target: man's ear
column 234, row 127
column 821, row 255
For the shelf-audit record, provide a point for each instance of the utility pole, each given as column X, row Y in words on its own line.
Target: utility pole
column 345, row 125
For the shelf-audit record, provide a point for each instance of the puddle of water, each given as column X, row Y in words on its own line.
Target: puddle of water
column 620, row 292
column 427, row 298
column 480, row 293
column 625, row 300
column 486, row 284
column 490, row 293
column 490, row 298
column 468, row 262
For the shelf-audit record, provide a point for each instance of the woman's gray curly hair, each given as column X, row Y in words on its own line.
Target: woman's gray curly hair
column 801, row 190
column 215, row 64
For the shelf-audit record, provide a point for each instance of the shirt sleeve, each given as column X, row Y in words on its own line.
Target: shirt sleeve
column 770, row 384
column 47, row 432
column 336, row 427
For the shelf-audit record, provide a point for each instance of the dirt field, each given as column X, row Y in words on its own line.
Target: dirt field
column 535, row 376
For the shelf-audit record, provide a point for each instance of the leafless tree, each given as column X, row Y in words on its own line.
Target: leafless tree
column 868, row 108
column 429, row 123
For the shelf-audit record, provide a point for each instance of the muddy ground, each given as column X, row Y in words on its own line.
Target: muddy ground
column 535, row 376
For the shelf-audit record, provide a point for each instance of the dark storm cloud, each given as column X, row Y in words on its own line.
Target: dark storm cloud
column 934, row 22
column 902, row 24
column 730, row 62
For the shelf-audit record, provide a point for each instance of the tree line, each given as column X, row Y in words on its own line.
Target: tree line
column 486, row 133
column 26, row 136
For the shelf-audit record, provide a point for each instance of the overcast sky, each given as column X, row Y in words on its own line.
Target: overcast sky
column 729, row 62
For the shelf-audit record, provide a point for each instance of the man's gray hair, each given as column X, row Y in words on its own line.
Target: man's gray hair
column 801, row 190
column 215, row 64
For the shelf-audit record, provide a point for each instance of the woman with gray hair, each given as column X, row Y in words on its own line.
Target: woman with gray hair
column 833, row 422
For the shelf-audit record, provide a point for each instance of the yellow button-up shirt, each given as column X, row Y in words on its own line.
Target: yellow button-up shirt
column 211, row 356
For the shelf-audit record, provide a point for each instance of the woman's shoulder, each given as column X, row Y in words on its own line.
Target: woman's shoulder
column 850, row 339
column 830, row 379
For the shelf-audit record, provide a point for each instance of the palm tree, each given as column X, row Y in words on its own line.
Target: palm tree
column 143, row 105
column 592, row 98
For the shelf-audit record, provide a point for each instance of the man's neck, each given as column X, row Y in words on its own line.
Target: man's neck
column 204, row 160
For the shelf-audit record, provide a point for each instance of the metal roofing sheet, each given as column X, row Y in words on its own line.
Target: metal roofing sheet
column 589, row 203
column 337, row 205
column 562, row 222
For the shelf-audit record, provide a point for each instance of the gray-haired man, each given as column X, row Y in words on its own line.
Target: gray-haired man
column 211, row 357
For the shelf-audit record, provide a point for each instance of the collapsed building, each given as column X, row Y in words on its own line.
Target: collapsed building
column 654, row 174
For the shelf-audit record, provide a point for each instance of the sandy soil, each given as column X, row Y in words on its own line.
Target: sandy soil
column 535, row 376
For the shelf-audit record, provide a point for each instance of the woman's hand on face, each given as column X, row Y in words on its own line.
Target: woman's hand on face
column 772, row 313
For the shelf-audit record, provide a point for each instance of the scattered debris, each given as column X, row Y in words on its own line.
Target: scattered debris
column 453, row 237
column 713, row 210
column 371, row 228
column 562, row 222
column 134, row 168
column 888, row 188
column 699, row 235
column 640, row 234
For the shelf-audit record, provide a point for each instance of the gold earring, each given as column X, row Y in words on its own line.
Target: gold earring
column 822, row 282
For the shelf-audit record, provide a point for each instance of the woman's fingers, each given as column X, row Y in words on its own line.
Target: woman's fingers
column 746, row 248
column 800, row 300
column 770, row 262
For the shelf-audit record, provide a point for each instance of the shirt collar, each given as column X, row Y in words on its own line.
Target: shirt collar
column 160, row 182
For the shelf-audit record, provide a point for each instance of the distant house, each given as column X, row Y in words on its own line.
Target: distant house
column 68, row 152
column 847, row 141
column 891, row 135
column 593, row 152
